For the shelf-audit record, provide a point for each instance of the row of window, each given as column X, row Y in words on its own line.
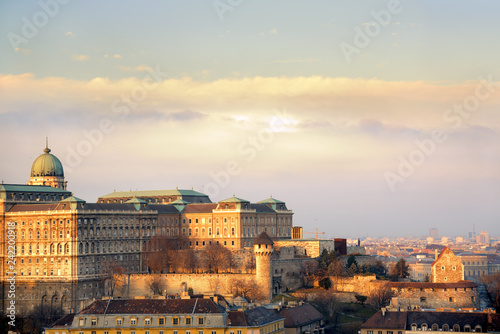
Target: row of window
column 44, row 234
column 147, row 321
column 37, row 249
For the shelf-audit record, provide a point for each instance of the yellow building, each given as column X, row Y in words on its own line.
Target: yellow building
column 167, row 316
column 64, row 247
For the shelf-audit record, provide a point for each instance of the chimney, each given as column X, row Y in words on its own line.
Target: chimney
column 435, row 254
column 383, row 309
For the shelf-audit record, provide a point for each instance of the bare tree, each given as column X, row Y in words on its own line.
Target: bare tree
column 308, row 270
column 250, row 262
column 337, row 272
column 113, row 277
column 247, row 289
column 328, row 304
column 492, row 286
column 155, row 283
column 216, row 257
column 381, row 296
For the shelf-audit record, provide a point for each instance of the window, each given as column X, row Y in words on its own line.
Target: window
column 119, row 321
column 435, row 327
column 147, row 321
column 133, row 321
column 390, row 332
column 214, row 332
column 93, row 322
column 161, row 321
column 442, row 267
column 369, row 332
column 456, row 328
column 424, row 327
column 413, row 327
column 81, row 322
column 175, row 332
column 188, row 321
column 446, row 328
column 201, row 321
column 422, row 299
column 451, row 299
column 478, row 329
column 188, row 332
column 160, row 332
column 175, row 321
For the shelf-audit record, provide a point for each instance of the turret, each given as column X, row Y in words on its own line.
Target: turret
column 263, row 249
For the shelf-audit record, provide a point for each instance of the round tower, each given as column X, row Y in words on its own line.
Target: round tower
column 263, row 249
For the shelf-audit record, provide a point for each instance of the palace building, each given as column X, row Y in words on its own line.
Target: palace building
column 65, row 246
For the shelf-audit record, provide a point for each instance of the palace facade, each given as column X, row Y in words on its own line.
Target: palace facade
column 65, row 247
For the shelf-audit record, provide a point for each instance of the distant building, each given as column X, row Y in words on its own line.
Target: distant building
column 434, row 233
column 475, row 265
column 483, row 238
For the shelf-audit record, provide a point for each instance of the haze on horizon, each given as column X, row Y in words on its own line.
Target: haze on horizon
column 365, row 124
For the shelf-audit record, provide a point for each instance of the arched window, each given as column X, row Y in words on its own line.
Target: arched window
column 466, row 328
column 424, row 327
column 413, row 327
column 456, row 328
column 232, row 230
column 435, row 327
column 478, row 329
column 446, row 328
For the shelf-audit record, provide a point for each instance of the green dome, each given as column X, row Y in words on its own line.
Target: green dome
column 47, row 165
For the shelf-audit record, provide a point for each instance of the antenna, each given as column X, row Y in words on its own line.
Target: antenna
column 47, row 142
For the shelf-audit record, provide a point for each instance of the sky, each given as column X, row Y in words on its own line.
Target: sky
column 368, row 118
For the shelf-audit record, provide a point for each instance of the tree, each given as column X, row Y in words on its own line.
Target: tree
column 308, row 271
column 113, row 277
column 155, row 283
column 379, row 269
column 400, row 270
column 381, row 296
column 361, row 299
column 492, row 285
column 352, row 265
column 216, row 257
column 247, row 289
column 327, row 304
column 336, row 271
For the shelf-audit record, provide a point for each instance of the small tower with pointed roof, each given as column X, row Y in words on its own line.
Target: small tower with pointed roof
column 263, row 250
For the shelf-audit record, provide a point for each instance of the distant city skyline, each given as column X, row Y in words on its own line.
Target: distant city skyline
column 367, row 119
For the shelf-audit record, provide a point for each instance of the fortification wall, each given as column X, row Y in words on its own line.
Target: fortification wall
column 139, row 284
column 410, row 296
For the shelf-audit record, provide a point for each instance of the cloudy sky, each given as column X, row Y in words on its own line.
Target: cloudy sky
column 378, row 118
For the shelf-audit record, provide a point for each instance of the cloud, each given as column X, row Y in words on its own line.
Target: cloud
column 298, row 60
column 81, row 57
column 117, row 56
column 186, row 115
column 273, row 31
column 139, row 68
column 23, row 51
column 70, row 34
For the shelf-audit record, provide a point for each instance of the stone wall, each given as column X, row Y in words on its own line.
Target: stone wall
column 172, row 284
column 424, row 295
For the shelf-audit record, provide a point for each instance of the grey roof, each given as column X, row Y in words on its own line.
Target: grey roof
column 254, row 317
column 152, row 193
column 263, row 239
column 30, row 189
column 301, row 315
column 462, row 319
column 152, row 306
